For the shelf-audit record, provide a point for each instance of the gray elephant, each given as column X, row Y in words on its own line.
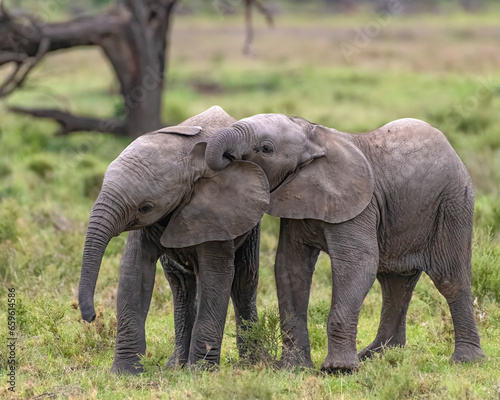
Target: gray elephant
column 388, row 204
column 204, row 225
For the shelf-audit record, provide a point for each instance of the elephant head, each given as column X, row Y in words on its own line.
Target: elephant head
column 162, row 178
column 313, row 171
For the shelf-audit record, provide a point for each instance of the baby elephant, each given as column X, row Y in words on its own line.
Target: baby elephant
column 204, row 224
column 388, row 204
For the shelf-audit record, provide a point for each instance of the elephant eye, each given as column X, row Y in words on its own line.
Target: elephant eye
column 267, row 148
column 145, row 208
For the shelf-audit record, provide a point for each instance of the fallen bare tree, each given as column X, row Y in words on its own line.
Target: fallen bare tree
column 133, row 35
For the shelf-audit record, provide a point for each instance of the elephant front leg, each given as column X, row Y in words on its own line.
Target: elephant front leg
column 294, row 268
column 354, row 257
column 135, row 287
column 214, row 280
column 396, row 295
column 183, row 285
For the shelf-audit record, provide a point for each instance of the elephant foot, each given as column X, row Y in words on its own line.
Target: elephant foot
column 175, row 361
column 466, row 352
column 340, row 364
column 203, row 365
column 295, row 360
column 123, row 368
column 378, row 346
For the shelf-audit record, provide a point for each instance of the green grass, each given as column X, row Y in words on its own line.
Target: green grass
column 436, row 69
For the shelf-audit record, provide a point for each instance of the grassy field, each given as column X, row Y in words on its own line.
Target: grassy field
column 440, row 69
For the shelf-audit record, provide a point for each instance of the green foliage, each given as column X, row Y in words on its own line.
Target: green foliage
column 41, row 165
column 485, row 276
column 8, row 220
column 487, row 213
column 92, row 183
column 5, row 170
column 261, row 340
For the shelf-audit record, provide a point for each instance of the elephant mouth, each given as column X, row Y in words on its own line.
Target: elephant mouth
column 135, row 225
column 132, row 226
column 292, row 174
column 163, row 221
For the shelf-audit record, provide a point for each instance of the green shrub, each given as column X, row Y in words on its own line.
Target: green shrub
column 5, row 170
column 485, row 267
column 87, row 161
column 42, row 165
column 92, row 183
column 262, row 340
column 9, row 212
column 487, row 214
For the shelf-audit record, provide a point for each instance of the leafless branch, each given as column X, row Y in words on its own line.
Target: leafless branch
column 247, row 47
column 23, row 69
column 3, row 11
column 71, row 123
column 9, row 57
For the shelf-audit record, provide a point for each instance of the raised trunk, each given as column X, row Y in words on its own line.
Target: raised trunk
column 102, row 227
column 226, row 145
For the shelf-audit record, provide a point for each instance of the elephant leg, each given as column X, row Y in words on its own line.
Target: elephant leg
column 353, row 252
column 214, row 280
column 135, row 287
column 244, row 288
column 397, row 290
column 294, row 268
column 450, row 270
column 467, row 343
column 183, row 285
column 457, row 292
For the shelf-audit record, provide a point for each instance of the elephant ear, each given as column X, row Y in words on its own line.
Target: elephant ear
column 224, row 205
column 181, row 130
column 333, row 188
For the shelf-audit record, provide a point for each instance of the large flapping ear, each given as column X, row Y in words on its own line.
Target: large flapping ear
column 224, row 205
column 181, row 130
column 333, row 188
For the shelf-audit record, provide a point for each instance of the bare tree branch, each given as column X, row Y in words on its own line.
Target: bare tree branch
column 264, row 11
column 134, row 37
column 9, row 57
column 13, row 81
column 72, row 123
column 3, row 11
column 25, row 33
column 247, row 47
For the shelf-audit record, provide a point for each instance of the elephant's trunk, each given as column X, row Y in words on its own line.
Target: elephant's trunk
column 226, row 145
column 104, row 223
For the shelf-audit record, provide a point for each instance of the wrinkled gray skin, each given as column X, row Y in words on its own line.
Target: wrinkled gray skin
column 204, row 225
column 388, row 204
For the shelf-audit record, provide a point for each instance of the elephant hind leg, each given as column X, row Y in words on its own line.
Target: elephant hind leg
column 397, row 290
column 459, row 298
column 450, row 271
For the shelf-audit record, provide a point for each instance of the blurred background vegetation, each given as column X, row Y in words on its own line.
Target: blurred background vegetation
column 351, row 65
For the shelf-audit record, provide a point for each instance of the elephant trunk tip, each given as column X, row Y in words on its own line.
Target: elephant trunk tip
column 219, row 164
column 225, row 146
column 216, row 158
column 87, row 310
column 88, row 314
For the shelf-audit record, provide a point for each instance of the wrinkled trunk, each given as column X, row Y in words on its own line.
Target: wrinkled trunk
column 227, row 144
column 103, row 225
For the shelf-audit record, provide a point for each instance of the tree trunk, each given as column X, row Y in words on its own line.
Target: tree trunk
column 138, row 55
column 133, row 36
